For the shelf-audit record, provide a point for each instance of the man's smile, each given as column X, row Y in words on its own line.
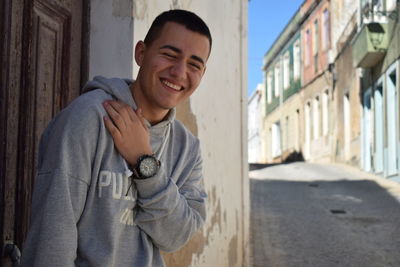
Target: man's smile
column 172, row 85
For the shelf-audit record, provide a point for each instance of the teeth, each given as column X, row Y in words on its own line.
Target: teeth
column 173, row 86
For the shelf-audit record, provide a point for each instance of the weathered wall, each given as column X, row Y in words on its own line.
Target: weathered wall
column 341, row 14
column 310, row 71
column 347, row 83
column 111, row 40
column 216, row 113
column 290, row 115
column 319, row 147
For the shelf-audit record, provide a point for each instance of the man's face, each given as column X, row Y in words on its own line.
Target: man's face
column 171, row 67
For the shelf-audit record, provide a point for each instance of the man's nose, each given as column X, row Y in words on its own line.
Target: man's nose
column 178, row 70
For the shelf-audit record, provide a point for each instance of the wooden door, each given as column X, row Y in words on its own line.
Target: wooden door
column 41, row 55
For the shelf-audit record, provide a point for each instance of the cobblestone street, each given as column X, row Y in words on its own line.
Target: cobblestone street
column 323, row 215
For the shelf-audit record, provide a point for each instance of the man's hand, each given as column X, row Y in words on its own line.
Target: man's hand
column 128, row 129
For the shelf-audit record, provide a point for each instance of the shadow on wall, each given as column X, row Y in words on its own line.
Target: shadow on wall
column 289, row 158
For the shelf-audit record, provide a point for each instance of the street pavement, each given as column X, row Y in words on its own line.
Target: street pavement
column 320, row 215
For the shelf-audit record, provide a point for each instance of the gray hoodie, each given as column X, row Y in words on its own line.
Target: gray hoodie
column 83, row 211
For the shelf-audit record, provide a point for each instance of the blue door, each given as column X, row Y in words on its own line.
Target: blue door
column 378, row 129
column 366, row 132
column 391, row 149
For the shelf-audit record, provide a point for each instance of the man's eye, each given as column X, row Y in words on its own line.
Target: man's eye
column 195, row 66
column 169, row 55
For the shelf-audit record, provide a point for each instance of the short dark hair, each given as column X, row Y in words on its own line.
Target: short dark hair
column 186, row 18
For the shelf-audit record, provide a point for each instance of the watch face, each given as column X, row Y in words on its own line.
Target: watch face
column 148, row 167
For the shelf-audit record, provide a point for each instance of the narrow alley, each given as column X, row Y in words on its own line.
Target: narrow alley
column 323, row 215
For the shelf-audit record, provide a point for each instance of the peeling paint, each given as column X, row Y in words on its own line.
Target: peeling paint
column 185, row 115
column 232, row 253
column 195, row 246
column 181, row 4
column 175, row 4
column 237, row 220
column 214, row 195
column 122, row 8
column 139, row 9
column 225, row 216
column 184, row 256
column 215, row 219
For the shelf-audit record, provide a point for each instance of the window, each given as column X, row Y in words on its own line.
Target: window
column 326, row 30
column 269, row 87
column 347, row 125
column 325, row 117
column 308, row 48
column 315, row 38
column 286, row 72
column 390, row 5
column 316, row 117
column 287, row 133
column 307, row 127
column 276, row 139
column 277, row 80
column 316, row 45
column 296, row 60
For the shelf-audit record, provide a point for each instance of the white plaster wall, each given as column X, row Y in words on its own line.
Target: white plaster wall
column 341, row 13
column 110, row 38
column 254, row 124
column 219, row 105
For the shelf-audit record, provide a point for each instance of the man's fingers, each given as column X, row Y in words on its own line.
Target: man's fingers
column 123, row 115
column 114, row 111
column 115, row 133
column 132, row 114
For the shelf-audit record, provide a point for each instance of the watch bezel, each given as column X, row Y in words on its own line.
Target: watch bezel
column 139, row 166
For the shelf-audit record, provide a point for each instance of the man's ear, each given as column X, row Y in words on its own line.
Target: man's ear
column 139, row 52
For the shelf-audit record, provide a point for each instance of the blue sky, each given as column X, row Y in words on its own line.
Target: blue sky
column 267, row 18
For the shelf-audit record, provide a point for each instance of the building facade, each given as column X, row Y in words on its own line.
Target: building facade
column 347, row 101
column 377, row 53
column 317, row 81
column 282, row 79
column 345, row 118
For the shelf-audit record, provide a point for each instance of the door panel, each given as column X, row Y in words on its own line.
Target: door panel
column 379, row 128
column 367, row 131
column 391, row 122
column 50, row 75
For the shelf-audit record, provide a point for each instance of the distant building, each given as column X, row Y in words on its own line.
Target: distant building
column 332, row 90
column 345, row 97
column 317, row 82
column 283, row 103
column 255, row 125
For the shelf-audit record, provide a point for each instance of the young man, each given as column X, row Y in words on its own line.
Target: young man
column 119, row 178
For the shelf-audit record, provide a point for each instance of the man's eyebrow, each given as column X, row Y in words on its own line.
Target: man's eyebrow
column 173, row 48
column 177, row 50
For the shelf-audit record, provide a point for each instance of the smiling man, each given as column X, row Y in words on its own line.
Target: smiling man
column 119, row 178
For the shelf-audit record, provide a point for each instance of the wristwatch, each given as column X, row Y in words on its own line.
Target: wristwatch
column 147, row 166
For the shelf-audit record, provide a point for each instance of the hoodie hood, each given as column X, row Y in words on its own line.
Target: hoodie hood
column 119, row 90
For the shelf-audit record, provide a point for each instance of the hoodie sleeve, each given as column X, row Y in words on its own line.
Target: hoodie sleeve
column 169, row 213
column 60, row 189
